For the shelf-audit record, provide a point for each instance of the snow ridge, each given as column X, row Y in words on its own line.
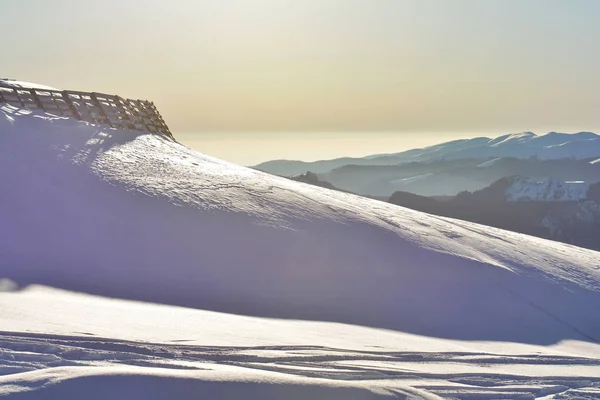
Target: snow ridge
column 12, row 83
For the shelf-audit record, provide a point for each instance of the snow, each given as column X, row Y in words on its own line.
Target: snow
column 551, row 146
column 81, row 353
column 489, row 163
column 528, row 189
column 133, row 267
column 412, row 179
column 23, row 85
column 522, row 137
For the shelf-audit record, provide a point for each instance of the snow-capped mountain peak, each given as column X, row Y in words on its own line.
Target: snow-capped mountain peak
column 514, row 137
column 524, row 145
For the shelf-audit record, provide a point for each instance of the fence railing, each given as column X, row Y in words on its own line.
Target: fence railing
column 97, row 108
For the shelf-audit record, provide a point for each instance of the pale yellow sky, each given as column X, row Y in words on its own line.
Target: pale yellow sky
column 251, row 148
column 382, row 76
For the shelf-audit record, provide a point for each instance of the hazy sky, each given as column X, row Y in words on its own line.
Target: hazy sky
column 251, row 80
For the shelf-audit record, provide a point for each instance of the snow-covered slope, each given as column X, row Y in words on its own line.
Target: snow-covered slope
column 96, row 348
column 526, row 189
column 137, row 216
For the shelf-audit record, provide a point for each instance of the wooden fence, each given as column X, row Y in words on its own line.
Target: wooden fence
column 97, row 108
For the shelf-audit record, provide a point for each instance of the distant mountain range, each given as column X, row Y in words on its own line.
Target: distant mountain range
column 564, row 211
column 582, row 145
column 546, row 186
column 449, row 177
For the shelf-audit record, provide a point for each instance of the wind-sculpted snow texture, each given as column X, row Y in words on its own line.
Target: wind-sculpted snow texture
column 95, row 348
column 135, row 216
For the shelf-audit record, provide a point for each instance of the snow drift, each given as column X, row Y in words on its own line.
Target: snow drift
column 23, row 85
column 137, row 216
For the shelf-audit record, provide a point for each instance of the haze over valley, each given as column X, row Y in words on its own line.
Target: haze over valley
column 322, row 199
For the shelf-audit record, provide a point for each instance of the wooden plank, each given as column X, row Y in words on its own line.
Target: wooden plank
column 81, row 94
column 37, row 99
column 103, row 118
column 127, row 112
column 18, row 97
column 71, row 106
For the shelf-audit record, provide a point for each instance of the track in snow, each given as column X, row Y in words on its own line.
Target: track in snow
column 459, row 375
column 136, row 216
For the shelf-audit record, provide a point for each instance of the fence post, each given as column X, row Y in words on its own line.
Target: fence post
column 37, row 99
column 69, row 102
column 125, row 111
column 18, row 96
column 97, row 104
